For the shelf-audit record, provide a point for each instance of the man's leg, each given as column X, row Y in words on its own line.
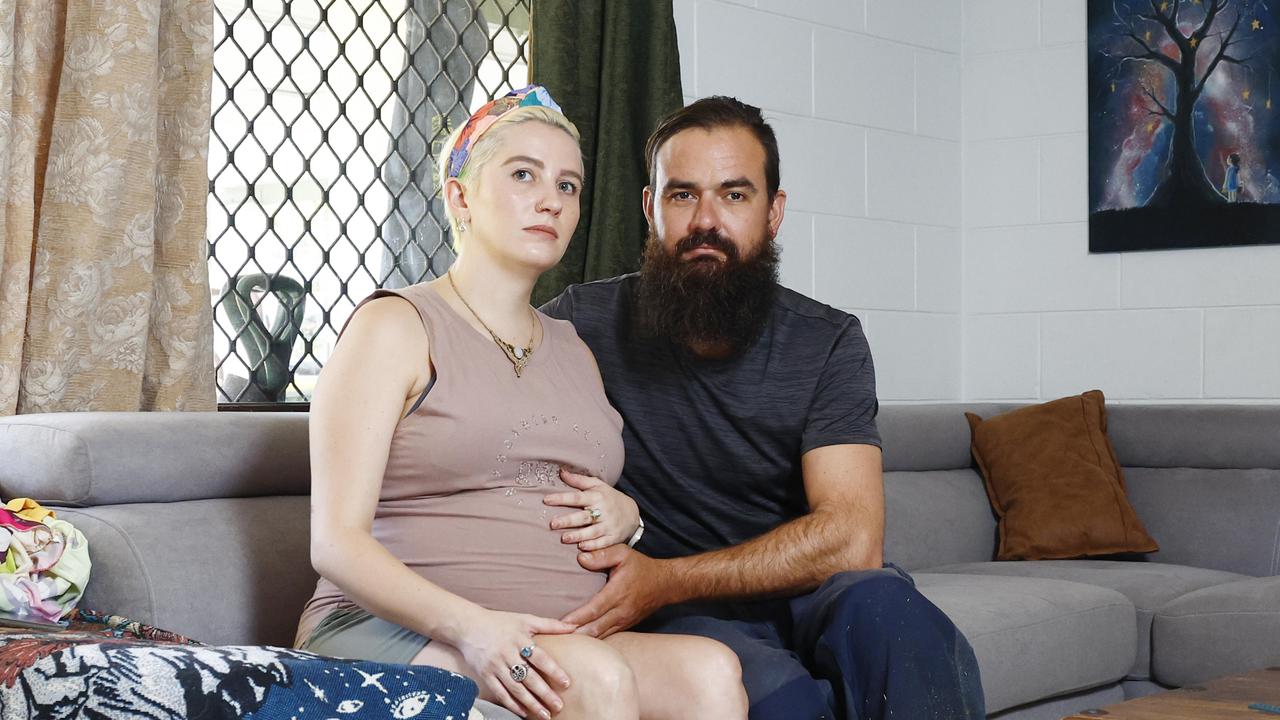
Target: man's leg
column 887, row 650
column 778, row 685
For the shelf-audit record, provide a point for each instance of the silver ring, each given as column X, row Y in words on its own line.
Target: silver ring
column 526, row 652
column 595, row 514
column 519, row 672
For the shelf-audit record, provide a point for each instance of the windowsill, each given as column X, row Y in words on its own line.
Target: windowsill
column 264, row 407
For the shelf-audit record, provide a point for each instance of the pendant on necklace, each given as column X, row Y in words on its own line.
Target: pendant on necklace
column 519, row 353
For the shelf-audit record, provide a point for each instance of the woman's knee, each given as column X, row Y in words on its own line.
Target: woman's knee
column 602, row 683
column 714, row 675
column 605, row 677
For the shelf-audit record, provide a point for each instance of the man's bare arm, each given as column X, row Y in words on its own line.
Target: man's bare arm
column 844, row 530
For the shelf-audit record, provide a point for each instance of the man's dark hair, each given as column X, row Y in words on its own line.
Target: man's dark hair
column 710, row 113
column 1235, row 158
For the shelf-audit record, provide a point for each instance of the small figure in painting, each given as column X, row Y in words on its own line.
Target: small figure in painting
column 1231, row 184
column 1271, row 189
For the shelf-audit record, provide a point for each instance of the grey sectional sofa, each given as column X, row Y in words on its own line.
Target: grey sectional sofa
column 198, row 523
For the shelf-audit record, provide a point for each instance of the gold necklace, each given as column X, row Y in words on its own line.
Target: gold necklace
column 519, row 356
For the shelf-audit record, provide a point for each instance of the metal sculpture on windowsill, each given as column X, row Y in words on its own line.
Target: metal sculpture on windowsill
column 265, row 348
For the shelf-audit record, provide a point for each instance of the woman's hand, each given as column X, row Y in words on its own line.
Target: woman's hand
column 491, row 648
column 619, row 514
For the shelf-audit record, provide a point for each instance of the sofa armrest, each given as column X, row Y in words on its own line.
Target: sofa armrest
column 226, row 572
column 104, row 458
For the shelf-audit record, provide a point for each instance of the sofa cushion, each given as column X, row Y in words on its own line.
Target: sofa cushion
column 1224, row 519
column 1037, row 638
column 233, row 571
column 1217, row 631
column 929, row 437
column 1149, row 586
column 937, row 517
column 1055, row 483
column 1205, row 436
column 101, row 458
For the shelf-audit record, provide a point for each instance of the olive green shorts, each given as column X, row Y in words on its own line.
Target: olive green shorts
column 354, row 633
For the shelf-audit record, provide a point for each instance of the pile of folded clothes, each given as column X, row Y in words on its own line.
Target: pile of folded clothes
column 45, row 564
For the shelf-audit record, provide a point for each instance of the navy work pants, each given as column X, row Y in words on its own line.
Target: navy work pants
column 865, row 645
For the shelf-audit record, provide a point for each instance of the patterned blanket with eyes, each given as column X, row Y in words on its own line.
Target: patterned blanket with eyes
column 104, row 666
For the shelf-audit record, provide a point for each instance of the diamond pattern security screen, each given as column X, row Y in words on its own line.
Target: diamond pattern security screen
column 327, row 119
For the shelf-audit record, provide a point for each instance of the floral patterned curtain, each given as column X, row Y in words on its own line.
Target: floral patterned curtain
column 104, row 126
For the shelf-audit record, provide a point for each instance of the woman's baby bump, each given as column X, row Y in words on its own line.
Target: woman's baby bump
column 493, row 546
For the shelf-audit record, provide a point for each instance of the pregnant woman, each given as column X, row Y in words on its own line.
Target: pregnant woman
column 446, row 415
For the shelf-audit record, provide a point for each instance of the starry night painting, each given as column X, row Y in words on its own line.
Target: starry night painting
column 1184, row 138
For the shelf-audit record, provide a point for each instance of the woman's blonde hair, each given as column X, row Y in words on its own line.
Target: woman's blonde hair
column 486, row 147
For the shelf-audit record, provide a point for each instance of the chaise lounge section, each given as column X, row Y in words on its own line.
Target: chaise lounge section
column 1057, row 636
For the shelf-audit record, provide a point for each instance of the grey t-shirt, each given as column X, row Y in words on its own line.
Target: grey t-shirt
column 713, row 447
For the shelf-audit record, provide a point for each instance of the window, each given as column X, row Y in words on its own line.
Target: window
column 327, row 116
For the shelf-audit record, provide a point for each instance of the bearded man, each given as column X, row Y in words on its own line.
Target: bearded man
column 752, row 451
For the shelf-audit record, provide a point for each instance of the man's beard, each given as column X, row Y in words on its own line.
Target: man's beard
column 705, row 301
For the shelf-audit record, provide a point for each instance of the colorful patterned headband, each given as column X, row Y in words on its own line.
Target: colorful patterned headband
column 485, row 118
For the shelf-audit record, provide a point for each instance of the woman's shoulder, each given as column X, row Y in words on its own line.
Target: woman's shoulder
column 563, row 333
column 555, row 325
column 385, row 308
column 382, row 339
column 390, row 317
column 409, row 305
column 560, row 330
column 420, row 295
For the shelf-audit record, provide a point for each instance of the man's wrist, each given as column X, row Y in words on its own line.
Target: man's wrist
column 675, row 585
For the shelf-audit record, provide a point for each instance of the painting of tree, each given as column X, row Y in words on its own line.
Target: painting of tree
column 1184, row 141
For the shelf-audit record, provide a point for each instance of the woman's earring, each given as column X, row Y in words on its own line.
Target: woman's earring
column 462, row 226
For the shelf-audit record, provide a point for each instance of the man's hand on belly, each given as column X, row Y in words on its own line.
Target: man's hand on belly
column 638, row 586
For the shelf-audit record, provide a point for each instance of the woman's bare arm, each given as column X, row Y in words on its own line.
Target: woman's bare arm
column 374, row 376
column 375, row 373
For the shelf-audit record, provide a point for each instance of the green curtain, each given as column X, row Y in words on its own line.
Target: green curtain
column 614, row 68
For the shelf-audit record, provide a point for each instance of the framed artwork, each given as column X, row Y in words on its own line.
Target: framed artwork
column 1184, row 129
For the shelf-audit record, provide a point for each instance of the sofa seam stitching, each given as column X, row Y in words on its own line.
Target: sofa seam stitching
column 1078, row 613
column 88, row 491
column 1275, row 554
column 79, row 440
column 133, row 548
column 1212, row 613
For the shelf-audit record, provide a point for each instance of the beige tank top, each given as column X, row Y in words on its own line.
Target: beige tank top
column 461, row 499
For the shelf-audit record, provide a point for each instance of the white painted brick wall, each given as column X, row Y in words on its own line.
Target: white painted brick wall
column 1242, row 357
column 1002, row 356
column 865, row 97
column 865, row 263
column 935, row 156
column 938, row 262
column 937, row 95
column 1042, row 318
column 1148, row 354
column 932, row 24
column 1034, row 268
column 914, row 354
column 864, row 68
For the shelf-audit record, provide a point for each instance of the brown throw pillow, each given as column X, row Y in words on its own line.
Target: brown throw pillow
column 1054, row 481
